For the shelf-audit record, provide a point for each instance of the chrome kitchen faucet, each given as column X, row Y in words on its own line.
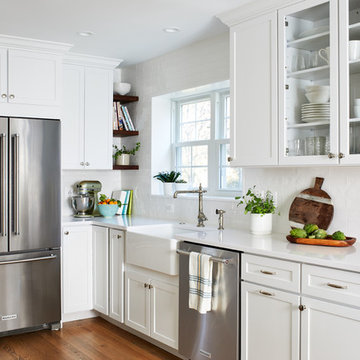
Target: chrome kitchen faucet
column 200, row 191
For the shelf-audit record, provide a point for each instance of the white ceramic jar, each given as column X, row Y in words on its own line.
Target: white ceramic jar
column 123, row 159
column 261, row 224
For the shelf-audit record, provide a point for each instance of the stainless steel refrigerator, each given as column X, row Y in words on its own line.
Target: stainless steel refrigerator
column 30, row 224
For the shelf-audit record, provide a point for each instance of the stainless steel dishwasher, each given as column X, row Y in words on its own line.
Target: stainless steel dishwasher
column 216, row 334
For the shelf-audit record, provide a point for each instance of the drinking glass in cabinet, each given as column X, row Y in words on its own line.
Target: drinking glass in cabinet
column 307, row 80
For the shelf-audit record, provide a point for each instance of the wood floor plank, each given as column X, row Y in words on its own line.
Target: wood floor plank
column 90, row 339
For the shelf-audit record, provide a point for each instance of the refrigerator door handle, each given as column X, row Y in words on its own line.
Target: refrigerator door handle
column 50, row 257
column 16, row 210
column 3, row 184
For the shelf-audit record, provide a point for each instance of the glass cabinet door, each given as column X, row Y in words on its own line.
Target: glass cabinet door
column 308, row 83
column 349, row 15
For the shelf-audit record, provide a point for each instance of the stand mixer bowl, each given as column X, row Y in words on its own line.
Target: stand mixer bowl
column 83, row 204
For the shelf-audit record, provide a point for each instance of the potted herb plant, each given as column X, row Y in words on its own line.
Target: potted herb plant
column 261, row 207
column 168, row 179
column 122, row 155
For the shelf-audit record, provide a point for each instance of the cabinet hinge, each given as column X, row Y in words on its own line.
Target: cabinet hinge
column 287, row 87
column 286, row 23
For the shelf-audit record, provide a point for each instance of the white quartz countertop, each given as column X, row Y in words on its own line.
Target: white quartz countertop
column 274, row 245
column 277, row 246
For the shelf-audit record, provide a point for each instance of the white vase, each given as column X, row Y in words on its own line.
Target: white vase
column 168, row 189
column 261, row 224
column 123, row 159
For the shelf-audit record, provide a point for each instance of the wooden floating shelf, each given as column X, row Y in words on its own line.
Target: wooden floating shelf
column 124, row 99
column 125, row 167
column 124, row 133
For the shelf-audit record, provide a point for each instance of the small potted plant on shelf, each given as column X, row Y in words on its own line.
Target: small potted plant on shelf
column 122, row 155
column 168, row 179
column 261, row 206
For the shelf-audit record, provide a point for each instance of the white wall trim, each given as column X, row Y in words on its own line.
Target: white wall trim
column 89, row 60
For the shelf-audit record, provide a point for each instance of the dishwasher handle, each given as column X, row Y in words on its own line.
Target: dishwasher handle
column 213, row 258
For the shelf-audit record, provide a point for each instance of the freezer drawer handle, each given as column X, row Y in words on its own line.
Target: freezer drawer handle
column 213, row 258
column 16, row 215
column 50, row 257
column 3, row 185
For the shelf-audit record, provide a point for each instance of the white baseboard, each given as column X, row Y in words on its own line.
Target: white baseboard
column 79, row 315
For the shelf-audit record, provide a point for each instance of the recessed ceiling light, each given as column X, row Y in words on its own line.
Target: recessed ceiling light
column 86, row 33
column 171, row 30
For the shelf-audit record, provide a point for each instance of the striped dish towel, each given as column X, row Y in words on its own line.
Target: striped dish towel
column 200, row 282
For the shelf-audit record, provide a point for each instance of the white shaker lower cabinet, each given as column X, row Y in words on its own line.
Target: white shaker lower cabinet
column 329, row 331
column 270, row 326
column 116, row 256
column 151, row 307
column 100, row 269
column 137, row 301
column 164, row 301
column 253, row 69
column 77, row 269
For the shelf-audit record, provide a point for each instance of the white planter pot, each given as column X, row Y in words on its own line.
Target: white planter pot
column 169, row 189
column 181, row 186
column 123, row 159
column 261, row 224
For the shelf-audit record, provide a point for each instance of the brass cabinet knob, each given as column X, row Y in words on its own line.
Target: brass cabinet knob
column 87, row 164
column 66, row 233
column 230, row 159
column 331, row 155
column 150, row 286
column 341, row 155
column 302, row 307
column 82, row 163
column 119, row 236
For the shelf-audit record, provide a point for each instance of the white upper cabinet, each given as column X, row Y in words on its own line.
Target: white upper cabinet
column 31, row 77
column 308, row 83
column 349, row 51
column 87, row 113
column 254, row 92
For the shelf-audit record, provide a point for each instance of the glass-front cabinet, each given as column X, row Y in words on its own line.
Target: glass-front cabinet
column 308, row 83
column 349, row 50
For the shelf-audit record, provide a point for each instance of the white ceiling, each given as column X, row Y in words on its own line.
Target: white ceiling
column 126, row 29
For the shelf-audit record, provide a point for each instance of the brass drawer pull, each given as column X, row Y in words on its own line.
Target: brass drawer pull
column 266, row 293
column 266, row 272
column 335, row 286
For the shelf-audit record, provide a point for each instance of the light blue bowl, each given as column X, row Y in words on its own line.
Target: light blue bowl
column 108, row 210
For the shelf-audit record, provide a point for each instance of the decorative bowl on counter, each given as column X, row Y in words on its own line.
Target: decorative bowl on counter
column 108, row 210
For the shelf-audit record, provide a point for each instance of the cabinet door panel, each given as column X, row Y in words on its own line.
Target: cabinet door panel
column 329, row 331
column 254, row 92
column 76, row 269
column 3, row 75
column 117, row 275
column 34, row 78
column 137, row 304
column 164, row 313
column 270, row 321
column 100, row 269
column 98, row 118
column 72, row 123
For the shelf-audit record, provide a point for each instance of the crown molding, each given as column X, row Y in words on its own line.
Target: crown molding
column 252, row 9
column 90, row 60
column 16, row 42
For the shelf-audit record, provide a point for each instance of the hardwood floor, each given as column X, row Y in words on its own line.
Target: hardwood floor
column 89, row 339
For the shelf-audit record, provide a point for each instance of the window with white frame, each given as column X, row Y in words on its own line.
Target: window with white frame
column 202, row 142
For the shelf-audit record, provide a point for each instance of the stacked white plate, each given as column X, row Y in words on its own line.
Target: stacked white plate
column 315, row 112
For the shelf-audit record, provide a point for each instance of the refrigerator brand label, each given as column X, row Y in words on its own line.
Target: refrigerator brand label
column 9, row 317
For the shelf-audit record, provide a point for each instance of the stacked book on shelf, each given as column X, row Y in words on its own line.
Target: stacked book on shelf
column 121, row 118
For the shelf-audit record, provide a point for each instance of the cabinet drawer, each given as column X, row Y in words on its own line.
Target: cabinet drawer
column 330, row 284
column 277, row 273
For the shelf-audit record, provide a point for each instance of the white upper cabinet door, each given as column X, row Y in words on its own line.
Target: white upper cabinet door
column 137, row 302
column 329, row 331
column 270, row 324
column 72, row 123
column 76, row 269
column 116, row 275
column 164, row 304
column 349, row 26
column 98, row 118
column 308, row 83
column 253, row 54
column 3, row 75
column 34, row 78
column 100, row 269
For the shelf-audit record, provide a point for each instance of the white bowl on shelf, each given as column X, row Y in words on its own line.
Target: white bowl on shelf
column 121, row 88
column 318, row 97
column 312, row 88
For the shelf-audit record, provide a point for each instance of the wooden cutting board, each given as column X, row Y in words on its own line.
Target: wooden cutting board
column 312, row 206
